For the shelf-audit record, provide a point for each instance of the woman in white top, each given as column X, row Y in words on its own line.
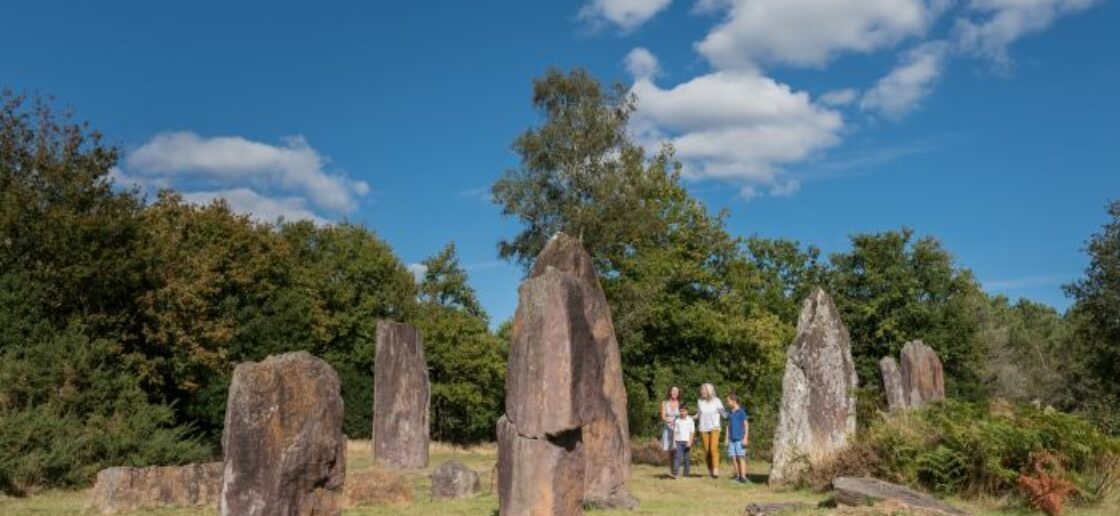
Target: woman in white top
column 709, row 411
column 670, row 409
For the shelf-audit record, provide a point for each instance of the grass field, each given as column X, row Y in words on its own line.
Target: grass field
column 658, row 494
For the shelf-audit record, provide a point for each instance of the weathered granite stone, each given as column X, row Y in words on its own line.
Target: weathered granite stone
column 126, row 489
column 453, row 479
column 867, row 491
column 818, row 410
column 565, row 402
column 539, row 475
column 892, row 384
column 284, row 448
column 377, row 487
column 401, row 395
column 606, row 440
column 923, row 378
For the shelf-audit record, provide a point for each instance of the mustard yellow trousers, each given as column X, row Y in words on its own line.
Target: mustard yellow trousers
column 710, row 440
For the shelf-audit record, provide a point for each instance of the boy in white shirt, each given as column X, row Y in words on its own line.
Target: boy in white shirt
column 684, row 431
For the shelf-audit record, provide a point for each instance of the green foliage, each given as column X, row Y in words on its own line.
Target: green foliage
column 891, row 289
column 1026, row 354
column 467, row 363
column 1097, row 328
column 979, row 449
column 67, row 409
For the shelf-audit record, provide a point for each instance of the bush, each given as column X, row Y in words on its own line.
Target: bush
column 977, row 449
column 67, row 411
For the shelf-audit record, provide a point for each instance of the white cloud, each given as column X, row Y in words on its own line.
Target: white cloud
column 739, row 126
column 293, row 167
column 625, row 14
column 641, row 63
column 839, row 97
column 995, row 24
column 809, row 32
column 901, row 90
column 260, row 207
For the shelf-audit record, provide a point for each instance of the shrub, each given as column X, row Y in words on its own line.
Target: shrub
column 67, row 411
column 1044, row 486
column 976, row 449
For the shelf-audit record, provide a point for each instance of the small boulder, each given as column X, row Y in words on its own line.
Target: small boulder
column 453, row 479
column 127, row 489
column 864, row 491
column 284, row 451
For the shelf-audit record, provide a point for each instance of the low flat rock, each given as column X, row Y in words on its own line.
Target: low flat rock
column 453, row 479
column 127, row 489
column 771, row 508
column 863, row 491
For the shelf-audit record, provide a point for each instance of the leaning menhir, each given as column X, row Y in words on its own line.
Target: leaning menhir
column 563, row 442
column 284, row 451
column 401, row 395
column 818, row 410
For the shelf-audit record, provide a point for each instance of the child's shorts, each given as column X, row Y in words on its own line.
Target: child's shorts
column 735, row 449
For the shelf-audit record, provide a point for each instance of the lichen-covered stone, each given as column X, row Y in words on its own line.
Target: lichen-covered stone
column 453, row 479
column 284, row 451
column 923, row 377
column 401, row 396
column 818, row 410
column 125, row 489
column 892, row 384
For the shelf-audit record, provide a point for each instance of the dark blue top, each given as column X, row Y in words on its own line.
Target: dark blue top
column 736, row 422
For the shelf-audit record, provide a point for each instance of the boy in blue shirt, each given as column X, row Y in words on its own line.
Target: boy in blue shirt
column 737, row 438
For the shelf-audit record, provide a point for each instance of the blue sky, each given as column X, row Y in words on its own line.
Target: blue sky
column 987, row 123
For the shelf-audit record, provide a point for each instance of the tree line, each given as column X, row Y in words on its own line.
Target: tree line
column 121, row 317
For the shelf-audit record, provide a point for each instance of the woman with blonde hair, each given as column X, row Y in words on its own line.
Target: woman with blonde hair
column 709, row 410
column 670, row 410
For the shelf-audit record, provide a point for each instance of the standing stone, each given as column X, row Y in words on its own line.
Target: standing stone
column 606, row 440
column 564, row 441
column 125, row 489
column 401, row 395
column 453, row 479
column 818, row 411
column 284, row 448
column 892, row 384
column 923, row 378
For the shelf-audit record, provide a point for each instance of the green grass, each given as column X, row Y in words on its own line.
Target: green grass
column 658, row 494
